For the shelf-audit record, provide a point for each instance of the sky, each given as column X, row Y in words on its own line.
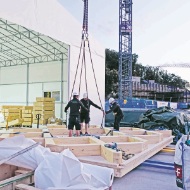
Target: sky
column 161, row 29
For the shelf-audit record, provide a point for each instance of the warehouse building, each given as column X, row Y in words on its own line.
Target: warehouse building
column 39, row 50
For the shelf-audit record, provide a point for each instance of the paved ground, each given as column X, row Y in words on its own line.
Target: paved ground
column 149, row 178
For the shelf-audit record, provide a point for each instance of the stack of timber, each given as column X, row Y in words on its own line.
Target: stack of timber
column 10, row 176
column 27, row 115
column 12, row 115
column 46, row 108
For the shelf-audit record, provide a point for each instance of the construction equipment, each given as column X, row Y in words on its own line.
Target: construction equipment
column 38, row 116
column 125, row 49
column 112, row 145
column 82, row 54
column 110, row 132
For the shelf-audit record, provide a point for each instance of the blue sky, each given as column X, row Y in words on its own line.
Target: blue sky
column 161, row 29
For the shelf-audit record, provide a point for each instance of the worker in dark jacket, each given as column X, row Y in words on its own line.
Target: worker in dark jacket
column 115, row 108
column 85, row 115
column 74, row 116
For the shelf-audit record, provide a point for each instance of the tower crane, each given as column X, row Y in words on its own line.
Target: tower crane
column 182, row 65
column 125, row 49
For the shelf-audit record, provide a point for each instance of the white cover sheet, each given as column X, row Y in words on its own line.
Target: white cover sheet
column 55, row 170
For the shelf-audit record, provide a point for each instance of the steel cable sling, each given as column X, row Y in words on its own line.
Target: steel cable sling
column 82, row 50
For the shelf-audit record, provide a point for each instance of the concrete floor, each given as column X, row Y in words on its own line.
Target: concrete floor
column 149, row 178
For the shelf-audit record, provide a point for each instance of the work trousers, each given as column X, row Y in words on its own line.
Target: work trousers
column 117, row 121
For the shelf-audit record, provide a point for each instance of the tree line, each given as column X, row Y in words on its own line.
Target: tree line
column 145, row 72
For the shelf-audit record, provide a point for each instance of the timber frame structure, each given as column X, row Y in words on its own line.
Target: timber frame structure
column 140, row 143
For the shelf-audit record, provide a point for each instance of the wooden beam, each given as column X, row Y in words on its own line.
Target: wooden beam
column 25, row 187
column 78, row 150
column 71, row 140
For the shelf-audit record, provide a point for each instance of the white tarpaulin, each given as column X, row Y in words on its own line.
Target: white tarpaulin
column 55, row 170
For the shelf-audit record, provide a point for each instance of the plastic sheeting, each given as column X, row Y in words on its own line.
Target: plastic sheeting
column 55, row 170
column 164, row 118
column 182, row 163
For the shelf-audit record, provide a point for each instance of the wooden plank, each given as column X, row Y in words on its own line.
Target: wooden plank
column 41, row 140
column 28, row 135
column 95, row 131
column 25, row 187
column 28, row 119
column 58, row 131
column 43, row 112
column 49, row 141
column 47, row 104
column 41, row 122
column 77, row 150
column 53, row 126
column 132, row 131
column 165, row 133
column 97, row 160
column 28, row 130
column 44, row 99
column 26, row 111
column 16, row 178
column 7, row 171
column 124, row 138
column 132, row 147
column 18, row 172
column 44, row 107
column 27, row 108
column 71, row 140
column 111, row 155
column 27, row 115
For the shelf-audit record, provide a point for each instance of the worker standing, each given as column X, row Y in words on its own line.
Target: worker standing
column 115, row 108
column 85, row 115
column 74, row 116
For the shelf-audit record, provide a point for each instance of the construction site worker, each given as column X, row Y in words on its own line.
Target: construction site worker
column 115, row 108
column 85, row 115
column 74, row 116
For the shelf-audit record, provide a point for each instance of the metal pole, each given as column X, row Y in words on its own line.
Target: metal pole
column 27, row 83
column 61, row 108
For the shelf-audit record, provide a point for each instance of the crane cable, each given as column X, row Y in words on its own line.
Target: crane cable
column 82, row 50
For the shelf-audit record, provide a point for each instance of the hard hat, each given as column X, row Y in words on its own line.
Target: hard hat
column 85, row 95
column 111, row 100
column 75, row 93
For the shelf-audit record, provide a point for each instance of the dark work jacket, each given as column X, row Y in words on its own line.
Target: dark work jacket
column 87, row 103
column 74, row 106
column 115, row 108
